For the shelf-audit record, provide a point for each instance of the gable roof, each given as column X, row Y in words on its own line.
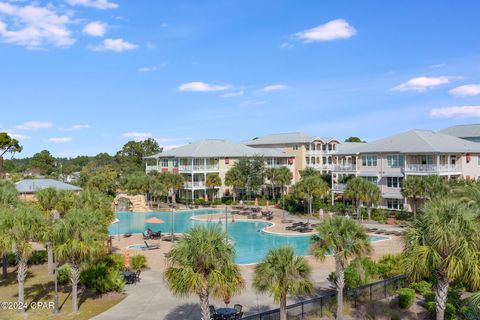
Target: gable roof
column 463, row 130
column 285, row 138
column 416, row 141
column 218, row 148
column 33, row 185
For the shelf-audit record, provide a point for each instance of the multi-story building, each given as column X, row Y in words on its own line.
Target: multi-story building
column 469, row 132
column 387, row 162
column 309, row 151
column 198, row 159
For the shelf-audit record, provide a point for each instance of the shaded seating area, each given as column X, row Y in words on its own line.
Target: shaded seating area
column 131, row 277
column 302, row 227
column 226, row 313
column 151, row 235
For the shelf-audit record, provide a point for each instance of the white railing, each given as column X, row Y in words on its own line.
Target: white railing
column 431, row 168
column 151, row 168
column 200, row 167
column 320, row 152
column 344, row 167
column 194, row 184
column 339, row 187
column 321, row 166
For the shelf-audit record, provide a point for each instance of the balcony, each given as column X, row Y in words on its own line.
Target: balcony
column 200, row 167
column 194, row 184
column 431, row 168
column 345, row 168
column 321, row 166
column 151, row 168
column 339, row 187
column 320, row 152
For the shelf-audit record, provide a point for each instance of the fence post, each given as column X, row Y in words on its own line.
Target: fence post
column 370, row 286
column 321, row 306
column 302, row 310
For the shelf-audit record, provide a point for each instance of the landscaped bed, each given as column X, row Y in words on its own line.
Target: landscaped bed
column 39, row 287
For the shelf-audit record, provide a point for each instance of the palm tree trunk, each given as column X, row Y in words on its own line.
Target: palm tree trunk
column 340, row 273
column 75, row 278
column 234, row 194
column 283, row 308
column 414, row 208
column 441, row 290
column 204, row 304
column 50, row 257
column 369, row 211
column 4, row 266
column 21, row 275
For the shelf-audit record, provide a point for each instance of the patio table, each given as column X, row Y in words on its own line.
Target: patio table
column 226, row 312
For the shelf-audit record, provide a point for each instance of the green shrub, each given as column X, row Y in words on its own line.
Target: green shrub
column 199, row 201
column 139, row 262
column 429, row 296
column 450, row 310
column 357, row 273
column 63, row 273
column 422, row 287
column 39, row 257
column 390, row 265
column 115, row 261
column 406, row 297
column 104, row 275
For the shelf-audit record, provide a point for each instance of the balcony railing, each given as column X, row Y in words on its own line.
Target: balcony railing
column 151, row 168
column 321, row 166
column 199, row 167
column 320, row 152
column 339, row 187
column 344, row 167
column 431, row 168
column 194, row 184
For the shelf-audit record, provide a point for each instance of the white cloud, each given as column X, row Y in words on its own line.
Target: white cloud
column 95, row 29
column 252, row 103
column 456, row 112
column 59, row 139
column 33, row 26
column 34, row 125
column 233, row 94
column 116, row 45
column 466, row 90
column 274, row 87
column 17, row 135
column 98, row 4
column 202, row 87
column 286, row 45
column 152, row 68
column 171, row 146
column 422, row 83
column 137, row 135
column 332, row 30
column 76, row 127
column 438, row 65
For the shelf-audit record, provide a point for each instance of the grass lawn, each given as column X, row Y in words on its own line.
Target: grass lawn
column 39, row 287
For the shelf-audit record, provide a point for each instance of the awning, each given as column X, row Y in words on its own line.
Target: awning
column 392, row 174
column 368, row 174
column 391, row 195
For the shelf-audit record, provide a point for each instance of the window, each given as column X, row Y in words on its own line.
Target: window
column 395, row 160
column 333, row 146
column 307, row 146
column 394, row 182
column 329, row 147
column 164, row 163
column 324, row 147
column 395, row 204
column 371, row 179
column 175, row 163
column 426, row 159
column 369, row 161
column 295, row 147
column 324, row 160
column 329, row 160
column 313, row 160
column 308, row 160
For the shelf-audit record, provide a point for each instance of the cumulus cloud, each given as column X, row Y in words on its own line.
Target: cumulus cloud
column 252, row 103
column 139, row 136
column 95, row 29
column 202, row 87
column 76, row 127
column 98, row 4
column 116, row 45
column 274, row 87
column 34, row 125
column 456, row 112
column 59, row 139
column 332, row 30
column 286, row 45
column 32, row 26
column 152, row 68
column 233, row 94
column 466, row 90
column 422, row 83
column 17, row 135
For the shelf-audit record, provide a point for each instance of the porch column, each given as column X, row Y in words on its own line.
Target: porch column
column 205, row 163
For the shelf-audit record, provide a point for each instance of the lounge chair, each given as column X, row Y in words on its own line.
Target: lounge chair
column 151, row 246
column 213, row 313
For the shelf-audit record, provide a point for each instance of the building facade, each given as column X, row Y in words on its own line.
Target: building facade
column 198, row 159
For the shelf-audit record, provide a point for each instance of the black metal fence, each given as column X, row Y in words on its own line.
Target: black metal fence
column 326, row 304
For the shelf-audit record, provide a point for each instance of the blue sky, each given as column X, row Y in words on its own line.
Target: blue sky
column 85, row 76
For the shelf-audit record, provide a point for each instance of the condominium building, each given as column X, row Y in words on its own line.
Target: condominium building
column 198, row 159
column 469, row 132
column 309, row 151
column 387, row 162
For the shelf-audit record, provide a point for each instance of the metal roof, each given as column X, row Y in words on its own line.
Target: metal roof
column 286, row 138
column 211, row 148
column 463, row 130
column 416, row 141
column 33, row 185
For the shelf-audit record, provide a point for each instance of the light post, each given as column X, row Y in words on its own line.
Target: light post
column 172, row 217
column 55, row 296
column 226, row 222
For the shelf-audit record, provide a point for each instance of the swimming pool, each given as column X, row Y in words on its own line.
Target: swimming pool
column 251, row 244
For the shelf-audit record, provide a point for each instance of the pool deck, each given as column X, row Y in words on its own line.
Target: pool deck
column 151, row 299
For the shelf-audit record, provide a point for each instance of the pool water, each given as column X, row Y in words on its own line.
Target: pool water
column 251, row 244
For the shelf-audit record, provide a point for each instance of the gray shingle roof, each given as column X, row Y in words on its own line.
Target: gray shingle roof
column 218, row 148
column 33, row 185
column 285, row 138
column 463, row 130
column 416, row 141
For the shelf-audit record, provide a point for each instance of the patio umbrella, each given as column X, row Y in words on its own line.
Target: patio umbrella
column 154, row 220
column 256, row 202
column 126, row 257
column 206, row 197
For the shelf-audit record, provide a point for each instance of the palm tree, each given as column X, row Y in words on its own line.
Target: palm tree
column 75, row 244
column 468, row 193
column 235, row 179
column 173, row 182
column 202, row 263
column 213, row 181
column 271, row 174
column 414, row 187
column 98, row 202
column 282, row 273
column 284, row 178
column 345, row 239
column 436, row 187
column 19, row 227
column 356, row 191
column 373, row 196
column 8, row 198
column 444, row 242
column 309, row 188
